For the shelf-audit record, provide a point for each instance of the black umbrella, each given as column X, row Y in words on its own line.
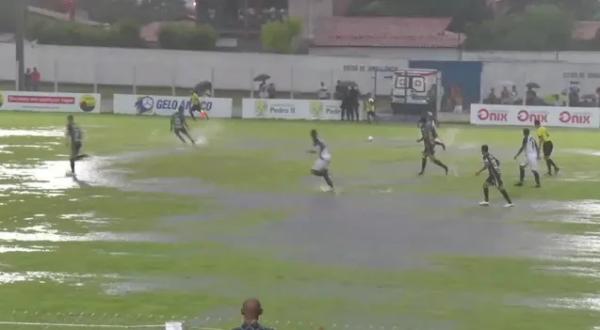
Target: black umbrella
column 533, row 85
column 262, row 77
column 203, row 86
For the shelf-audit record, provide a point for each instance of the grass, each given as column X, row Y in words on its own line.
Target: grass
column 190, row 267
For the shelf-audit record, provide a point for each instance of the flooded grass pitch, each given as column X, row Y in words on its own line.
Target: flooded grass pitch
column 152, row 228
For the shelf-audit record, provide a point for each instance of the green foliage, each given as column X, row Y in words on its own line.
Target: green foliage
column 122, row 34
column 539, row 27
column 281, row 37
column 187, row 36
column 463, row 11
column 111, row 11
column 7, row 15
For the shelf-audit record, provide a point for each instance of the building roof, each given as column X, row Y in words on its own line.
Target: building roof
column 407, row 32
column 586, row 30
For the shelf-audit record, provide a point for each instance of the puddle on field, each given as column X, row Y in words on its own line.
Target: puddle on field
column 88, row 218
column 37, row 132
column 578, row 271
column 42, row 233
column 50, row 277
column 581, row 212
column 10, row 249
column 585, row 152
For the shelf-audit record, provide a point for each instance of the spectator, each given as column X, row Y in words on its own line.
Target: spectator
column 346, row 107
column 36, row 77
column 271, row 92
column 251, row 312
column 505, row 96
column 574, row 97
column 27, row 81
column 339, row 91
column 262, row 90
column 552, row 100
column 514, row 94
column 354, row 96
column 323, row 93
column 492, row 98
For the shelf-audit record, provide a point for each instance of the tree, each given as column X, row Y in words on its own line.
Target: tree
column 281, row 37
column 7, row 15
column 463, row 12
column 144, row 11
column 539, row 27
column 161, row 10
column 110, row 11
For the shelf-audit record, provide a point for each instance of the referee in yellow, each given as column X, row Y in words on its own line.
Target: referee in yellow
column 547, row 146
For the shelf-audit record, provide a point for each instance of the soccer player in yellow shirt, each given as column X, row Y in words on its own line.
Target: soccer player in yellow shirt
column 547, row 146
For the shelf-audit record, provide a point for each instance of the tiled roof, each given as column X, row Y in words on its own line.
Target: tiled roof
column 586, row 30
column 386, row 32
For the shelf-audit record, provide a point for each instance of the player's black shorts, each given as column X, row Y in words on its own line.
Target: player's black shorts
column 494, row 181
column 181, row 130
column 195, row 107
column 75, row 148
column 429, row 150
column 548, row 148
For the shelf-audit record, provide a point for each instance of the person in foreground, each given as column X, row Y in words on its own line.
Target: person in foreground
column 321, row 166
column 74, row 139
column 492, row 165
column 547, row 147
column 532, row 155
column 179, row 126
column 428, row 139
column 251, row 312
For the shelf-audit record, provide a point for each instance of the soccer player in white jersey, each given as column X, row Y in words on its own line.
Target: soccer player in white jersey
column 321, row 166
column 532, row 154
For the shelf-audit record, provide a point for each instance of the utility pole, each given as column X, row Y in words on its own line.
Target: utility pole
column 21, row 8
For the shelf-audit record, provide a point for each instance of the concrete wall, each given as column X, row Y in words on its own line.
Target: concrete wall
column 301, row 73
column 145, row 67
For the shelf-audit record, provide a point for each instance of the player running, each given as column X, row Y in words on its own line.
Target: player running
column 321, row 166
column 179, row 126
column 492, row 165
column 428, row 139
column 431, row 123
column 532, row 155
column 74, row 137
column 547, row 146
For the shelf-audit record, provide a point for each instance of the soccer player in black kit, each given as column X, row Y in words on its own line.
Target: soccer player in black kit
column 428, row 138
column 74, row 139
column 492, row 165
column 179, row 126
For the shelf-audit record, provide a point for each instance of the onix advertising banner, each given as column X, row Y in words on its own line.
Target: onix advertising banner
column 167, row 105
column 291, row 109
column 516, row 115
column 49, row 102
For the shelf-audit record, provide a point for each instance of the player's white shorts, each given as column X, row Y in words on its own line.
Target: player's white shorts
column 530, row 161
column 321, row 164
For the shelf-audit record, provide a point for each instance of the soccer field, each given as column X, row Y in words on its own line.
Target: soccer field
column 153, row 230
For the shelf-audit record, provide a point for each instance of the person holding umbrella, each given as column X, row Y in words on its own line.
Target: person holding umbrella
column 262, row 88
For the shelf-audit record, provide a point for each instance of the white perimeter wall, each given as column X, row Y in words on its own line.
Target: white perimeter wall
column 150, row 67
